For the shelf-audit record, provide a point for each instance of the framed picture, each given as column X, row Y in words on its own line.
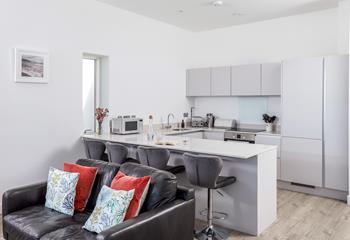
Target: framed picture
column 31, row 66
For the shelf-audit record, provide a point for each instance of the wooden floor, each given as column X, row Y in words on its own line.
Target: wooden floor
column 303, row 217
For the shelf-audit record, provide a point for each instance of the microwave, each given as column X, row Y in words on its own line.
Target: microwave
column 126, row 125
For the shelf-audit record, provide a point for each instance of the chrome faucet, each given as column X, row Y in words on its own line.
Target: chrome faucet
column 168, row 124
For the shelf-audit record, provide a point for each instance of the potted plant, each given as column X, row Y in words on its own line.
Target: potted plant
column 269, row 121
column 100, row 115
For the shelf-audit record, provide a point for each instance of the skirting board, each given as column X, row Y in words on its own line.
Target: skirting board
column 322, row 192
column 348, row 199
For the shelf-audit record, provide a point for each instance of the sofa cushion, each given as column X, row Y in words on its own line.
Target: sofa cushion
column 61, row 191
column 34, row 222
column 126, row 183
column 162, row 188
column 105, row 174
column 73, row 232
column 110, row 210
column 86, row 180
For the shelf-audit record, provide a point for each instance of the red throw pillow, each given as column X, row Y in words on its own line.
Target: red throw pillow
column 85, row 183
column 126, row 183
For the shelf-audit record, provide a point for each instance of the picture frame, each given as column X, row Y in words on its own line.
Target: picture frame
column 31, row 66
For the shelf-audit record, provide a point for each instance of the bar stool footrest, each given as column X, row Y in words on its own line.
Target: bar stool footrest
column 216, row 215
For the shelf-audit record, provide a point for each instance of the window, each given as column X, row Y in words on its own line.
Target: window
column 95, row 88
column 90, row 91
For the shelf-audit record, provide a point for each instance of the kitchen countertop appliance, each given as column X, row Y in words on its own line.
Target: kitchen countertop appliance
column 235, row 133
column 241, row 134
column 126, row 125
column 197, row 121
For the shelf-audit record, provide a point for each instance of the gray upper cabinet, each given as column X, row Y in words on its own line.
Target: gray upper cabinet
column 221, row 81
column 199, row 82
column 246, row 80
column 271, row 79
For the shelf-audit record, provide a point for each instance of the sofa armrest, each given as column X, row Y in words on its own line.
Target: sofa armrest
column 22, row 197
column 184, row 193
column 172, row 221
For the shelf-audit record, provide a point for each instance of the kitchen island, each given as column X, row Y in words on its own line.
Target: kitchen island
column 250, row 203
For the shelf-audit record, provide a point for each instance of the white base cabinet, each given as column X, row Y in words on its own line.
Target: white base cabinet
column 272, row 140
column 301, row 161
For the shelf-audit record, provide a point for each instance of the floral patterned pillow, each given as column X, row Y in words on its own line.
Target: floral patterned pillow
column 110, row 209
column 61, row 190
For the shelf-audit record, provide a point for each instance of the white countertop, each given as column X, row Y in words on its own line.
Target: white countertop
column 194, row 145
column 270, row 133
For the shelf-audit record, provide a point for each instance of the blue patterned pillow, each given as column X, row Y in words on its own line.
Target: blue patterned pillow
column 110, row 209
column 61, row 189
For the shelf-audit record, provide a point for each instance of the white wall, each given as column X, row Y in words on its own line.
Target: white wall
column 41, row 124
column 312, row 34
column 343, row 26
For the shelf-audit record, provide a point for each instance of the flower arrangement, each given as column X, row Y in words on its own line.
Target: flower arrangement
column 100, row 114
column 269, row 120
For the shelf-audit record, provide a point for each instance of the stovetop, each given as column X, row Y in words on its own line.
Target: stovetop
column 244, row 130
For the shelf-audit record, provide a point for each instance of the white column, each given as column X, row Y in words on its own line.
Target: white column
column 343, row 47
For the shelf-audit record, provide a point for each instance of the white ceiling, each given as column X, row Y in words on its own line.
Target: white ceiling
column 200, row 15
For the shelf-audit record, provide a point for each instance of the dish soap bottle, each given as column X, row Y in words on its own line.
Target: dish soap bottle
column 150, row 132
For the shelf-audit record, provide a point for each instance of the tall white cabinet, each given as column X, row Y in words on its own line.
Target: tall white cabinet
column 314, row 144
column 336, row 85
column 302, row 97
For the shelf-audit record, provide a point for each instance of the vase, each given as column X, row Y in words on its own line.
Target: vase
column 99, row 128
column 269, row 127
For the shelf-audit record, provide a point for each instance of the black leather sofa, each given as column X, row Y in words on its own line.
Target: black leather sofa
column 167, row 214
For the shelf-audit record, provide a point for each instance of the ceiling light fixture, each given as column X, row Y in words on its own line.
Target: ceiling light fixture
column 217, row 3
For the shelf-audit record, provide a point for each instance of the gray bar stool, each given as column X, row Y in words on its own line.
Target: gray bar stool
column 157, row 158
column 204, row 171
column 95, row 150
column 118, row 153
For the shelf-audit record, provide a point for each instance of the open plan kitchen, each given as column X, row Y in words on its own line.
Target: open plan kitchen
column 282, row 136
column 175, row 120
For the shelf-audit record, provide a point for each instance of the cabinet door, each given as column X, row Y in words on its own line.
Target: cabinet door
column 198, row 82
column 336, row 122
column 221, row 81
column 246, row 80
column 272, row 140
column 271, row 76
column 212, row 135
column 301, row 161
column 302, row 95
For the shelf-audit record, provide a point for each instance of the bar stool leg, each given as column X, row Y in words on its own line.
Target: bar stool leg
column 209, row 232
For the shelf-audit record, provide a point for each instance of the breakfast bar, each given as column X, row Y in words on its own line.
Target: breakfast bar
column 249, row 205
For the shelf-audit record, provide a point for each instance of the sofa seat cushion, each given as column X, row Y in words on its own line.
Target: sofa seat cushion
column 73, row 232
column 34, row 222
